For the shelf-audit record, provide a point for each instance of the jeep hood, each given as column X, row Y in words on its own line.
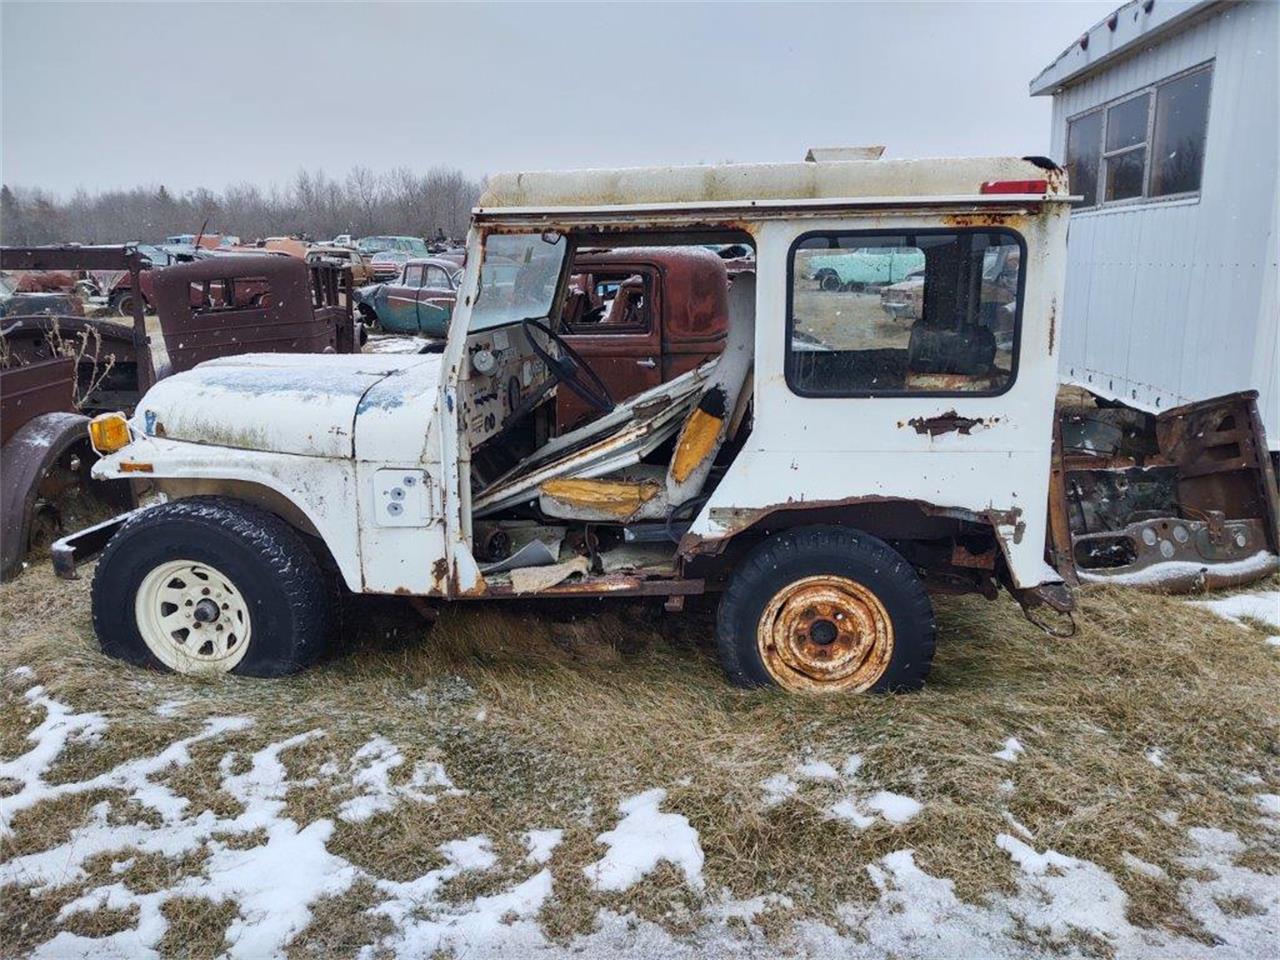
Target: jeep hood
column 304, row 404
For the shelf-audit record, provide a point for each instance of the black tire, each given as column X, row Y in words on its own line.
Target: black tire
column 286, row 592
column 829, row 281
column 122, row 304
column 826, row 551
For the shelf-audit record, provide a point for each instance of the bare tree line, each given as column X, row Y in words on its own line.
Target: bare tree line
column 313, row 205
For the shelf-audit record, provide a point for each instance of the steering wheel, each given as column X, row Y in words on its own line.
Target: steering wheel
column 569, row 368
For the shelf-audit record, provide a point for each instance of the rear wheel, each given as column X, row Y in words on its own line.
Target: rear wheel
column 826, row 610
column 122, row 303
column 209, row 586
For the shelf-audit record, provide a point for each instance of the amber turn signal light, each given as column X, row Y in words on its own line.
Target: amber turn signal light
column 109, row 432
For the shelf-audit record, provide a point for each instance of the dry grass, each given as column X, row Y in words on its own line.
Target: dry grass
column 583, row 705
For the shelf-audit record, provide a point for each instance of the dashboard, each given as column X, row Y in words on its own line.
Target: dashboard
column 502, row 372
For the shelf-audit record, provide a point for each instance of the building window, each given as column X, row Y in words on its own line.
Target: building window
column 1147, row 145
column 1182, row 114
column 930, row 312
column 1084, row 147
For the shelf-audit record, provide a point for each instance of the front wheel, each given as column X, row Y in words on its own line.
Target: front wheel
column 826, row 610
column 209, row 585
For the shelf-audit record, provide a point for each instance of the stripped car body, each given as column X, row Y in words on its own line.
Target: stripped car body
column 822, row 471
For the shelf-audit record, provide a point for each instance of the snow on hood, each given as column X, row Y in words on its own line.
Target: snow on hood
column 283, row 403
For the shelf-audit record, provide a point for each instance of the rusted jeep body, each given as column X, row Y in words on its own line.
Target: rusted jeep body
column 823, row 473
column 1185, row 500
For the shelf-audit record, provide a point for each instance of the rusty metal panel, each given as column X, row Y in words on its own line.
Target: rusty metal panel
column 36, row 388
column 281, row 319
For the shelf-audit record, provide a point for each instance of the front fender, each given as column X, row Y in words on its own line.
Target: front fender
column 25, row 460
column 315, row 494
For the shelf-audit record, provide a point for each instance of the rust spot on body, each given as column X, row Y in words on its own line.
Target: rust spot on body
column 949, row 422
column 439, row 571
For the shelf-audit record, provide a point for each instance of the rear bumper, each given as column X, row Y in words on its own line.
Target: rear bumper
column 84, row 545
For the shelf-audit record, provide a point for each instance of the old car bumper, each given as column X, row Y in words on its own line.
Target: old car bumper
column 79, row 548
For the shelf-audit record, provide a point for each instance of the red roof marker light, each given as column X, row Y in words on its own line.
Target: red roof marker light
column 1015, row 186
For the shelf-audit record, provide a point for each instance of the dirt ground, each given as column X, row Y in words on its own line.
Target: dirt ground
column 526, row 780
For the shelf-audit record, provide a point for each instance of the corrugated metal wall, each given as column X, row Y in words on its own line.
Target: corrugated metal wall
column 1177, row 301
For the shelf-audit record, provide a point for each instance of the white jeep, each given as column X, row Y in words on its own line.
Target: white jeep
column 823, row 474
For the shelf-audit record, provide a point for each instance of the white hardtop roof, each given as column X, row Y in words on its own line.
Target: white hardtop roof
column 1132, row 27
column 765, row 184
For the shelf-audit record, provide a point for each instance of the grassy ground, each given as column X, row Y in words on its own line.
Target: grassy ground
column 1156, row 717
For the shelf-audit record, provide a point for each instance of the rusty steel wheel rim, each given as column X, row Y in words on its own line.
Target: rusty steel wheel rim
column 825, row 634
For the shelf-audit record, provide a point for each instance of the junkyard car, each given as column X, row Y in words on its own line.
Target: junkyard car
column 361, row 272
column 417, row 300
column 823, row 474
column 57, row 369
column 869, row 266
column 413, row 246
column 388, row 264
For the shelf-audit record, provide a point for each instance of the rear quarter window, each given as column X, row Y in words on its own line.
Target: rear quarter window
column 923, row 313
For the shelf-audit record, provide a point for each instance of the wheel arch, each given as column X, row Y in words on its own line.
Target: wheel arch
column 271, row 499
column 896, row 521
column 26, row 457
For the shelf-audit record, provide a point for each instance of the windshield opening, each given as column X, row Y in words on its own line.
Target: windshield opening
column 519, row 276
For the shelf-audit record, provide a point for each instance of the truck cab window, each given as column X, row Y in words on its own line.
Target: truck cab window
column 931, row 312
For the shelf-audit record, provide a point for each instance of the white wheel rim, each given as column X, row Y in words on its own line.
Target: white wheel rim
column 192, row 617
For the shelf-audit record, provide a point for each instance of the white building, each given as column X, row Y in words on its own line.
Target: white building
column 1166, row 115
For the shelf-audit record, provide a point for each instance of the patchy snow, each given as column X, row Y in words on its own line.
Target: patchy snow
column 371, row 768
column 1155, row 757
column 59, row 727
column 849, row 811
column 1009, row 752
column 1258, row 565
column 894, row 807
column 1010, row 819
column 778, row 788
column 851, row 765
column 1138, row 865
column 1268, row 803
column 861, row 812
column 542, row 843
column 642, row 839
column 1056, row 900
column 817, row 770
column 1263, row 606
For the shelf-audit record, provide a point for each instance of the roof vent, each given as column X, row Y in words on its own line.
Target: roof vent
column 828, row 154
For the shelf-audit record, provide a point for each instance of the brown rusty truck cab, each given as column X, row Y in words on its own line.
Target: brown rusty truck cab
column 832, row 466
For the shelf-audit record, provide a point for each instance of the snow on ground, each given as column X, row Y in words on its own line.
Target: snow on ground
column 1009, row 752
column 371, row 773
column 642, row 839
column 1263, row 606
column 542, row 843
column 274, row 870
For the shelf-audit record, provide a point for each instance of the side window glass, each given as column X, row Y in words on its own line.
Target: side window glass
column 436, row 279
column 877, row 315
column 413, row 275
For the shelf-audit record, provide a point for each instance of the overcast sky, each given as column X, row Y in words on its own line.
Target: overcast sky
column 116, row 94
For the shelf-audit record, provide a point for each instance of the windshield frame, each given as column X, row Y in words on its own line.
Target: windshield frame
column 515, row 316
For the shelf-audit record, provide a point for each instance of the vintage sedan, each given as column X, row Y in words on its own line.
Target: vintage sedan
column 419, row 300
